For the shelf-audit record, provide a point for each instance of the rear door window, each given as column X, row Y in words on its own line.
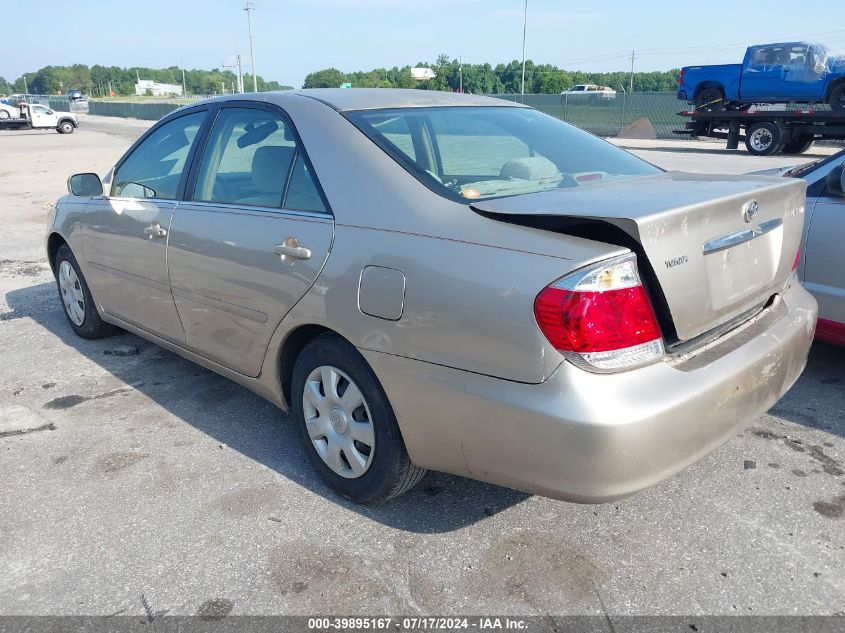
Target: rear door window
column 252, row 159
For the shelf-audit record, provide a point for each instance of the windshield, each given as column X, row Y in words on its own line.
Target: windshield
column 479, row 153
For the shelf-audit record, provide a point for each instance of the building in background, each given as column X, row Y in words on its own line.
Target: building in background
column 148, row 87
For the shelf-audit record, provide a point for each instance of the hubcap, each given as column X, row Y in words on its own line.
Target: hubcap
column 761, row 140
column 338, row 422
column 73, row 299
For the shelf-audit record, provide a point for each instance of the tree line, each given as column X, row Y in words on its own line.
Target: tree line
column 452, row 75
column 499, row 79
column 100, row 81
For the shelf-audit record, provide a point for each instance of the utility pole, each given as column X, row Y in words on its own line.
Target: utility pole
column 182, row 64
column 461, row 74
column 249, row 8
column 633, row 57
column 237, row 66
column 524, row 29
column 25, row 89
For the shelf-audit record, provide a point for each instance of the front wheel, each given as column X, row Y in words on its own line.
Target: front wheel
column 76, row 298
column 65, row 127
column 837, row 98
column 346, row 424
column 763, row 139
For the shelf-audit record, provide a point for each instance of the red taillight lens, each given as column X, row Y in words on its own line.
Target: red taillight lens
column 603, row 315
column 596, row 321
column 797, row 260
column 681, row 78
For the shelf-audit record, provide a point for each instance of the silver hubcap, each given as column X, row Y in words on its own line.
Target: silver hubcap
column 338, row 422
column 72, row 298
column 761, row 140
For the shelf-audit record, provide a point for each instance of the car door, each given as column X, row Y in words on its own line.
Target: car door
column 824, row 257
column 803, row 72
column 252, row 239
column 762, row 72
column 41, row 116
column 125, row 233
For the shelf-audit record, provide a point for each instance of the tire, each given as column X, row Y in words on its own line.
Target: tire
column 76, row 299
column 357, row 449
column 797, row 147
column 65, row 127
column 763, row 139
column 5, row 115
column 837, row 98
column 710, row 100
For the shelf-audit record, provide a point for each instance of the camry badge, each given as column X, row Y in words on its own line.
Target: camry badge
column 749, row 210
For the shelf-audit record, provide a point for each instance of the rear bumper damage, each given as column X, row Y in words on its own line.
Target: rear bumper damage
column 593, row 438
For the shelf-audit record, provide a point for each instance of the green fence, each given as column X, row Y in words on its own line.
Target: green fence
column 129, row 110
column 607, row 117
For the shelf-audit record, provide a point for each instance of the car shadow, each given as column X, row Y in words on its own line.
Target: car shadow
column 439, row 503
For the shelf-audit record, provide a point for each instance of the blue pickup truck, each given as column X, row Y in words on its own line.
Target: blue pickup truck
column 791, row 72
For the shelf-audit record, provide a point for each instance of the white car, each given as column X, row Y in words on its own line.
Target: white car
column 7, row 110
column 591, row 90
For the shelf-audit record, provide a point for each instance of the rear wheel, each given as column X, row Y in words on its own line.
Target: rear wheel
column 710, row 100
column 65, row 127
column 76, row 298
column 837, row 98
column 797, row 147
column 763, row 139
column 4, row 115
column 346, row 424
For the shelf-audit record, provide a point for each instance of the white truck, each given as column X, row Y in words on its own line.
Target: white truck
column 34, row 116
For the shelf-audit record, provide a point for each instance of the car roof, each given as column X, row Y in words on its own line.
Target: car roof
column 345, row 99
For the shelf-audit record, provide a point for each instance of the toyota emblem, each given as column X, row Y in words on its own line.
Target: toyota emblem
column 749, row 210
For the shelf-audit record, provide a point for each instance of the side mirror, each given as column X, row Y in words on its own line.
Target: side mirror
column 836, row 181
column 85, row 185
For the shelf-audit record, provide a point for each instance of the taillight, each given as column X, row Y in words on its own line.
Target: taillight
column 681, row 78
column 797, row 260
column 601, row 317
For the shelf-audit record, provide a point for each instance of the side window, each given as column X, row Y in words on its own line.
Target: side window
column 247, row 160
column 303, row 194
column 154, row 168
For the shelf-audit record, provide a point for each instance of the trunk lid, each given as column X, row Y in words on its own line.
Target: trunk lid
column 713, row 256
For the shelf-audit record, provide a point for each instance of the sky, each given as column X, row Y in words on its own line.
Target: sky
column 295, row 37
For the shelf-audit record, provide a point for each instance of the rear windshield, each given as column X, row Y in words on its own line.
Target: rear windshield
column 480, row 153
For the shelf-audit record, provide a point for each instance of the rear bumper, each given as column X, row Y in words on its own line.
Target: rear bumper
column 593, row 438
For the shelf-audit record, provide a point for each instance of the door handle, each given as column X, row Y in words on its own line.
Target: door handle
column 290, row 250
column 155, row 231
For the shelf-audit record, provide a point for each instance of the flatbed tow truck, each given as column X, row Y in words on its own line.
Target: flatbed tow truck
column 34, row 116
column 766, row 132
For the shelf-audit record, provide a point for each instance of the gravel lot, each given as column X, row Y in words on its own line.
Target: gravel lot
column 133, row 480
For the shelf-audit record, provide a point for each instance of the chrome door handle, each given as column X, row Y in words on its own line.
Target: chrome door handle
column 155, row 231
column 291, row 250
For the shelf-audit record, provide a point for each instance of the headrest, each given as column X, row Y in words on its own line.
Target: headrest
column 532, row 168
column 270, row 166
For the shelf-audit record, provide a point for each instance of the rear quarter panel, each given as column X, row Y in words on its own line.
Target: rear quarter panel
column 467, row 306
